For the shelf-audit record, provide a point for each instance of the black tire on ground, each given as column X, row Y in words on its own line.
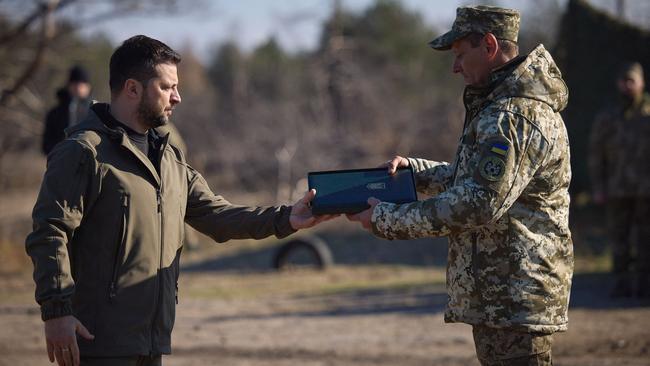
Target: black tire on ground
column 320, row 255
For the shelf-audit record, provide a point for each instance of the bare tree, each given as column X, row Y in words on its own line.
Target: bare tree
column 31, row 34
column 43, row 13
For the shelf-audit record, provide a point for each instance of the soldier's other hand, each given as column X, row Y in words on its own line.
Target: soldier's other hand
column 301, row 216
column 394, row 163
column 364, row 217
column 61, row 340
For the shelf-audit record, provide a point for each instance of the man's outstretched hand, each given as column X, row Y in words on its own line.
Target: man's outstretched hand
column 364, row 217
column 301, row 216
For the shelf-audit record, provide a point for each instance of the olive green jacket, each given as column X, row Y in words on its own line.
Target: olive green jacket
column 108, row 234
column 503, row 203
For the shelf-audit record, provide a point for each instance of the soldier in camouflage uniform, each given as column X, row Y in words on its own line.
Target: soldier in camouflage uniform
column 618, row 162
column 504, row 202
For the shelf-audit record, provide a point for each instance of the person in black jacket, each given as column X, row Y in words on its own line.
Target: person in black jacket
column 74, row 101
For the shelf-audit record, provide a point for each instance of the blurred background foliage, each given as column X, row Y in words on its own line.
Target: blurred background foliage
column 257, row 121
column 592, row 45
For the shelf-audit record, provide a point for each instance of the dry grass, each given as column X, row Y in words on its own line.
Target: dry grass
column 14, row 258
column 340, row 279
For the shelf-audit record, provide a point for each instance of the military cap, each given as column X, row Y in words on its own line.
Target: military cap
column 502, row 22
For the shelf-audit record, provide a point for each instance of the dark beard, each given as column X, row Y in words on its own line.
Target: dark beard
column 148, row 116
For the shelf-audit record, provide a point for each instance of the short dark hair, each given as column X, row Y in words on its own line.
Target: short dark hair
column 137, row 59
column 508, row 47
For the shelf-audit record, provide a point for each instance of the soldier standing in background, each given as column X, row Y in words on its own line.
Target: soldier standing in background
column 74, row 102
column 504, row 202
column 618, row 162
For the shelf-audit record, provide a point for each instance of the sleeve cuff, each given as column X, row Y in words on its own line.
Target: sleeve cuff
column 283, row 225
column 379, row 220
column 55, row 309
column 414, row 165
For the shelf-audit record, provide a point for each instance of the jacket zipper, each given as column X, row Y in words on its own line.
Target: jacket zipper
column 119, row 253
column 159, row 283
column 159, row 286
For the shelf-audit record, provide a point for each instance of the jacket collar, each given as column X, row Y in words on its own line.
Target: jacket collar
column 93, row 122
column 533, row 76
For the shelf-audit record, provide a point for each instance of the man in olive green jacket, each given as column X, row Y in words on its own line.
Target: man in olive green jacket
column 108, row 223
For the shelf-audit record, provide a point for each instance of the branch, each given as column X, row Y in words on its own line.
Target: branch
column 102, row 17
column 134, row 9
column 41, row 11
column 22, row 121
column 47, row 31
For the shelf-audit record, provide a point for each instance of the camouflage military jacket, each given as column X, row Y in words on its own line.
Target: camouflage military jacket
column 619, row 147
column 503, row 203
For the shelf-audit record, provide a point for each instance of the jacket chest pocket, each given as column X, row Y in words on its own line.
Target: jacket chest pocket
column 120, row 245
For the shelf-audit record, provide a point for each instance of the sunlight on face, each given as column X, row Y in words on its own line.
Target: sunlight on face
column 471, row 62
column 160, row 96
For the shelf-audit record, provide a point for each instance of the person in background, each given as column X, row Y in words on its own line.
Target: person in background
column 73, row 104
column 619, row 148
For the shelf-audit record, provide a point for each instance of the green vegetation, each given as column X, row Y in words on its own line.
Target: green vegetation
column 370, row 90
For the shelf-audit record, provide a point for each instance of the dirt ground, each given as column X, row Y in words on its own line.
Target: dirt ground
column 369, row 315
column 355, row 314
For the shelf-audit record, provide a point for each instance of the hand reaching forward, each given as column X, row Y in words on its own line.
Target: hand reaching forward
column 301, row 216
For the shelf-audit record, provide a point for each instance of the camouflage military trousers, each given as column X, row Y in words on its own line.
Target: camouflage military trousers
column 507, row 347
column 626, row 217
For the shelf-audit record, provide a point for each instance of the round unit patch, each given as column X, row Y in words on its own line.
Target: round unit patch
column 492, row 168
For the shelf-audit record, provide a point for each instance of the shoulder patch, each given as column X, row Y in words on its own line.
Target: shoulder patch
column 492, row 167
column 499, row 148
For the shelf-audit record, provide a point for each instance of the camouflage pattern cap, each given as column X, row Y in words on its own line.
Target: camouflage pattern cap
column 502, row 22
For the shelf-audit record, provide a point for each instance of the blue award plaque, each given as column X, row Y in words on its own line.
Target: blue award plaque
column 347, row 191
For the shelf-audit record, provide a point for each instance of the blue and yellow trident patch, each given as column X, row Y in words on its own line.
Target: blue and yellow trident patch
column 499, row 148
